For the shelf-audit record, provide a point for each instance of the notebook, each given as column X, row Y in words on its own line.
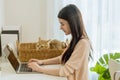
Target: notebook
column 19, row 67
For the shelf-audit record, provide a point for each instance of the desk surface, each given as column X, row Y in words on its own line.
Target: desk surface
column 8, row 73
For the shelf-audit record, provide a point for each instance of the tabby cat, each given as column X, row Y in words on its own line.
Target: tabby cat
column 43, row 44
column 56, row 44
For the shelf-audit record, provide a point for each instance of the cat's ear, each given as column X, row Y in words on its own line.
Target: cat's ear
column 48, row 41
column 39, row 38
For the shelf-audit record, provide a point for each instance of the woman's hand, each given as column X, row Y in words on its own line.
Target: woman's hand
column 35, row 67
column 42, row 69
column 36, row 60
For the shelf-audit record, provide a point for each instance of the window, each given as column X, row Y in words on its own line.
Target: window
column 101, row 19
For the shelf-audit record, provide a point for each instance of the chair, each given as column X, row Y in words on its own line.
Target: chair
column 114, row 69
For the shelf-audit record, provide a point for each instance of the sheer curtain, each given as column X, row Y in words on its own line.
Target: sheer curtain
column 101, row 20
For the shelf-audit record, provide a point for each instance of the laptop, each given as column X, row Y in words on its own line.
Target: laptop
column 19, row 67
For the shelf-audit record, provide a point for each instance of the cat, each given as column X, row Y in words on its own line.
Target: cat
column 51, row 44
column 43, row 44
column 56, row 44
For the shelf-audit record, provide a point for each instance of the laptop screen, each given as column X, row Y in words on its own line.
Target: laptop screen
column 13, row 60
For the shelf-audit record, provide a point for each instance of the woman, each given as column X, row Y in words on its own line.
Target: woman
column 74, row 59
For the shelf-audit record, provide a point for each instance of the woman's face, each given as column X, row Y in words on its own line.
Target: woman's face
column 65, row 26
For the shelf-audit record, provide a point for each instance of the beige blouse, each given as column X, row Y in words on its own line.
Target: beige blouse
column 76, row 68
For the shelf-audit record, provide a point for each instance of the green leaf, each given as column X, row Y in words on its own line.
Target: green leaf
column 101, row 66
column 100, row 77
column 106, row 74
column 98, row 69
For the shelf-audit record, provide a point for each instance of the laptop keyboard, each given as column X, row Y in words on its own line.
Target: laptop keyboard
column 24, row 68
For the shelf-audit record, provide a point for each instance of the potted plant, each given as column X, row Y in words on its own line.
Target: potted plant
column 101, row 66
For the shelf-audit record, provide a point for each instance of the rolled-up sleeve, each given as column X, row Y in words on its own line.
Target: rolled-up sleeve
column 79, row 55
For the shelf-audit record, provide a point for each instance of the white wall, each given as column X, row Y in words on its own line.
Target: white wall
column 1, row 13
column 31, row 14
column 50, row 18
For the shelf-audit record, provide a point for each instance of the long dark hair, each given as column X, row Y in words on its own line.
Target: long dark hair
column 72, row 14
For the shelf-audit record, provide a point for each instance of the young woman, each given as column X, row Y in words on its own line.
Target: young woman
column 74, row 60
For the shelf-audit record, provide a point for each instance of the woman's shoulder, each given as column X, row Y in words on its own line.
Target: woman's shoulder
column 83, row 43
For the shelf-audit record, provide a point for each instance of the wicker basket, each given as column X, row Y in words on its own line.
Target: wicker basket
column 27, row 51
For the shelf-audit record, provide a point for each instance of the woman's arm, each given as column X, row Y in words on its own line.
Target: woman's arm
column 42, row 69
column 55, row 60
column 50, row 71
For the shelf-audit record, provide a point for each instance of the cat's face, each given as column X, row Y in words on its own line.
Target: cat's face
column 43, row 44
